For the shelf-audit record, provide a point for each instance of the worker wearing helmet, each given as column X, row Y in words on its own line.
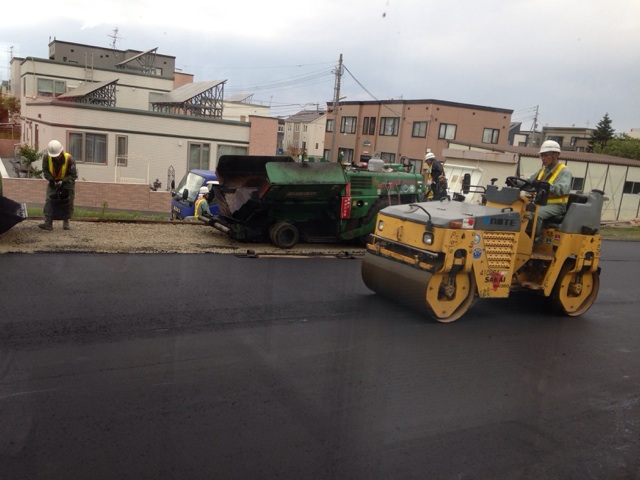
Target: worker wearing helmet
column 559, row 178
column 59, row 169
column 438, row 186
column 201, row 210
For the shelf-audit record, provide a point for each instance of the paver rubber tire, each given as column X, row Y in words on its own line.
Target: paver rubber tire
column 284, row 235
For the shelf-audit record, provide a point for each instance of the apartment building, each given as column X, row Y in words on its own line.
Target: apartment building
column 573, row 139
column 128, row 117
column 392, row 129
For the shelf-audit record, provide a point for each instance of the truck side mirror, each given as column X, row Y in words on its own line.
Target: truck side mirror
column 173, row 185
column 185, row 193
column 542, row 193
column 466, row 183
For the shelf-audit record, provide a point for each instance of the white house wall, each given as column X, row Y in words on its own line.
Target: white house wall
column 155, row 141
column 482, row 165
column 613, row 188
column 577, row 169
column 242, row 111
column 455, row 173
column 132, row 90
column 631, row 201
column 315, row 139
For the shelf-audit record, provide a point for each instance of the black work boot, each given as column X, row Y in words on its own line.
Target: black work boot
column 65, row 225
column 47, row 225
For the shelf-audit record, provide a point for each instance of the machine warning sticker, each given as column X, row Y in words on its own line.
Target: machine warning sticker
column 477, row 253
column 476, row 238
column 468, row 223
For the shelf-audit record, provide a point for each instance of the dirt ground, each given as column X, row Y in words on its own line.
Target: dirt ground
column 144, row 237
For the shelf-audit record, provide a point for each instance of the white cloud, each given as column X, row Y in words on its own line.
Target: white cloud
column 564, row 55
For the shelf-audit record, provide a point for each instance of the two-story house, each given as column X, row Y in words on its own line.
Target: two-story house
column 304, row 133
column 129, row 117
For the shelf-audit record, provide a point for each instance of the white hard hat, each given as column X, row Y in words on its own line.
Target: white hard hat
column 54, row 148
column 550, row 146
column 203, row 190
column 430, row 156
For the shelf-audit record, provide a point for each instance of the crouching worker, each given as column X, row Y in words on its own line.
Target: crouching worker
column 59, row 169
column 201, row 209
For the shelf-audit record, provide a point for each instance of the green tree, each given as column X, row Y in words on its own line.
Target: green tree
column 623, row 146
column 29, row 159
column 8, row 106
column 602, row 134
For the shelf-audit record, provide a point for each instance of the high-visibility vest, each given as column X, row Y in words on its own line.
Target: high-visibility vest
column 552, row 178
column 63, row 170
column 195, row 210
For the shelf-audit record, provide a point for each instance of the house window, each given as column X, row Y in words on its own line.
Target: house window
column 631, row 187
column 490, row 135
column 329, row 127
column 447, row 131
column 199, row 156
column 389, row 126
column 88, row 147
column 304, row 128
column 577, row 183
column 229, row 150
column 574, row 140
column 51, row 88
column 369, row 126
column 348, row 125
column 345, row 156
column 296, row 127
column 388, row 157
column 419, row 129
column 122, row 150
column 556, row 138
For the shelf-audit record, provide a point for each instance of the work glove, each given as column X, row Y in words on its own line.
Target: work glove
column 58, row 184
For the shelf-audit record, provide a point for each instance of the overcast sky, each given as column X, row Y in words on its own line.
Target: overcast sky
column 573, row 59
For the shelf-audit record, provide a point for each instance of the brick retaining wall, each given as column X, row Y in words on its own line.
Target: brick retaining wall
column 7, row 147
column 112, row 196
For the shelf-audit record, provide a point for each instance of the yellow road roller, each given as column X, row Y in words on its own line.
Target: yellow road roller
column 439, row 256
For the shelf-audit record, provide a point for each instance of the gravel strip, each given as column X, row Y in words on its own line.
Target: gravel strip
column 145, row 237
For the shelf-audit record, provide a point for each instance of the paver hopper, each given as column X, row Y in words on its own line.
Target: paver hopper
column 11, row 213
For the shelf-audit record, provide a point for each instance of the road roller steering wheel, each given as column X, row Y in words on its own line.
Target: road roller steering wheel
column 521, row 183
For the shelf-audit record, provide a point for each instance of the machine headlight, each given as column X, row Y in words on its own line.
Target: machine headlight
column 427, row 238
column 412, row 188
column 380, row 225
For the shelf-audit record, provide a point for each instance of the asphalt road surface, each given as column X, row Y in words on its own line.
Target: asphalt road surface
column 202, row 366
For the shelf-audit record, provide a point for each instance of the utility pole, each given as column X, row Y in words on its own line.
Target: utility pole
column 336, row 99
column 535, row 125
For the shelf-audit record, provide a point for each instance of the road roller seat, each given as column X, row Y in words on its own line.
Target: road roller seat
column 582, row 215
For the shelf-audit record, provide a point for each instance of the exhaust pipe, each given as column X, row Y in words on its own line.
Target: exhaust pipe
column 220, row 226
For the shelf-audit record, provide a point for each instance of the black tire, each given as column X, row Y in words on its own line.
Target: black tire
column 284, row 235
